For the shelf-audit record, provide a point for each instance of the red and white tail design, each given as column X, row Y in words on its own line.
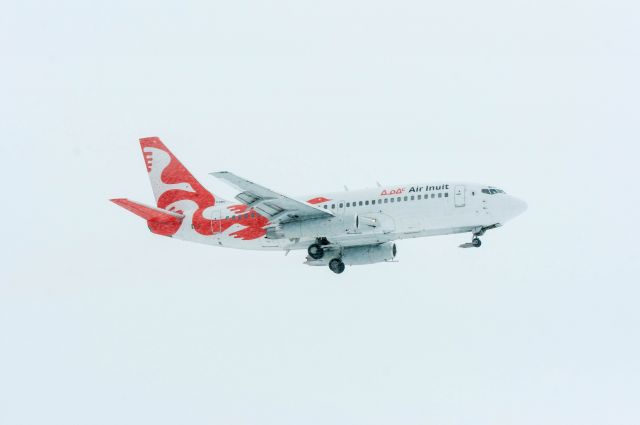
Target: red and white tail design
column 174, row 187
column 181, row 201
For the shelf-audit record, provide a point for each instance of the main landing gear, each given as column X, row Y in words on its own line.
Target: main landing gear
column 336, row 265
column 476, row 242
column 317, row 251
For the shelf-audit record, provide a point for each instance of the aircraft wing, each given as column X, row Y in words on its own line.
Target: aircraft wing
column 274, row 206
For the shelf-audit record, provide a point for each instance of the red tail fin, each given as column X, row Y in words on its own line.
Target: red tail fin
column 170, row 180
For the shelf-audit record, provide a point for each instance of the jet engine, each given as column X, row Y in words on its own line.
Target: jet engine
column 369, row 254
column 315, row 228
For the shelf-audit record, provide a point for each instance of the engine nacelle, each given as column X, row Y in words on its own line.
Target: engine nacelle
column 369, row 254
column 315, row 228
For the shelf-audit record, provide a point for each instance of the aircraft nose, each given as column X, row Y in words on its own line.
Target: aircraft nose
column 519, row 206
column 506, row 207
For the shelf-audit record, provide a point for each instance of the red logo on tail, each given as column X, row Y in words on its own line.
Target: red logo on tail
column 174, row 174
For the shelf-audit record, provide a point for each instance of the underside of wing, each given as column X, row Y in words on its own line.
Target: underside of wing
column 273, row 205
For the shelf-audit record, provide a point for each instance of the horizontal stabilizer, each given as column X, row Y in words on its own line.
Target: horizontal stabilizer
column 148, row 212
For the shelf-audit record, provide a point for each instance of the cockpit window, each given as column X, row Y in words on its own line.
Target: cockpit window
column 492, row 190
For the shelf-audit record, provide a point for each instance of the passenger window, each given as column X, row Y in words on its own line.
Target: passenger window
column 419, row 197
column 325, row 207
column 360, row 203
column 366, row 202
column 406, row 198
column 393, row 199
column 446, row 194
column 333, row 206
column 439, row 195
column 399, row 199
column 379, row 201
column 386, row 200
column 373, row 202
column 348, row 205
column 433, row 195
column 413, row 198
column 341, row 205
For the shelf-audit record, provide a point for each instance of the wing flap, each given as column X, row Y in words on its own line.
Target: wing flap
column 275, row 206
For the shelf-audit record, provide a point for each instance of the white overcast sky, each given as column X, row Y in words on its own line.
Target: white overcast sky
column 102, row 322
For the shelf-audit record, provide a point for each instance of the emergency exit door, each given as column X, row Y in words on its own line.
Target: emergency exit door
column 458, row 195
column 216, row 224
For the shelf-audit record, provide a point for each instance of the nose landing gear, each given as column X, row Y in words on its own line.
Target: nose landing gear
column 475, row 242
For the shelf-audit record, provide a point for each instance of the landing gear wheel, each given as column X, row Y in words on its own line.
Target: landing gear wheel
column 336, row 265
column 315, row 251
column 476, row 242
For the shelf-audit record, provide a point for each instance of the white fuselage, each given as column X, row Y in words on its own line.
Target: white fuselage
column 337, row 229
column 383, row 214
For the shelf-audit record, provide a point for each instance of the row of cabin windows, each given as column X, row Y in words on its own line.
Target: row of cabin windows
column 379, row 201
column 388, row 200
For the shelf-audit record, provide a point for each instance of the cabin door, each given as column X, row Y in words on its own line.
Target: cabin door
column 216, row 225
column 458, row 195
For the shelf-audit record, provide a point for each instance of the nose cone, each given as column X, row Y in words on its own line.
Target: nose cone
column 506, row 207
column 519, row 206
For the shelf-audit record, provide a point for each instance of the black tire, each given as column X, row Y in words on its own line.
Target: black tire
column 315, row 251
column 336, row 265
column 476, row 242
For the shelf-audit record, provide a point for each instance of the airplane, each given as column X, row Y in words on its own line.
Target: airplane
column 336, row 229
